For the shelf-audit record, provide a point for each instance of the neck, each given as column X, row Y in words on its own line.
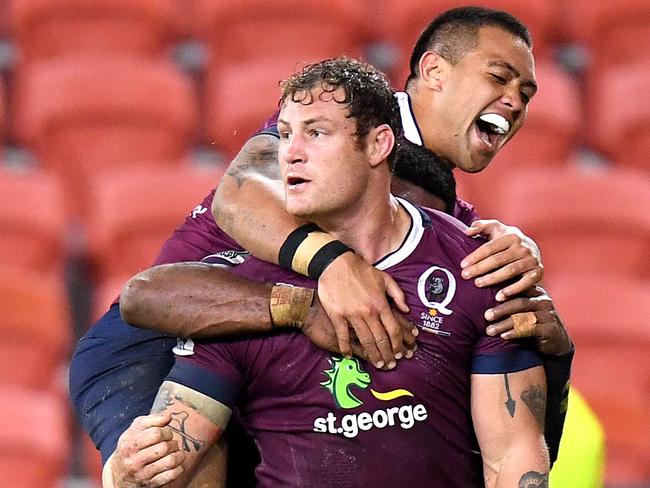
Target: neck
column 373, row 228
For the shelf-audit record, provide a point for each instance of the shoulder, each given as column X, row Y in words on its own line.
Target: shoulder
column 450, row 232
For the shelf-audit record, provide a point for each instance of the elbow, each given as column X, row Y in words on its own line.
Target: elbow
column 131, row 305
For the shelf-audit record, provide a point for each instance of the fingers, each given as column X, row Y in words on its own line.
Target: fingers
column 484, row 251
column 147, row 454
column 527, row 281
column 395, row 293
column 536, row 301
column 342, row 336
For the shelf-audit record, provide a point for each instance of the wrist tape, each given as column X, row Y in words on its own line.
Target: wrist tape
column 290, row 305
column 309, row 251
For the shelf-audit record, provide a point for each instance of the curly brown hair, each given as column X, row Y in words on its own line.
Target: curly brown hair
column 366, row 92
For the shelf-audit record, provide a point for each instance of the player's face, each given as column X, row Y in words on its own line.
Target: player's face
column 483, row 101
column 323, row 170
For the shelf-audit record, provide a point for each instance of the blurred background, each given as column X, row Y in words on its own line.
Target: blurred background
column 118, row 116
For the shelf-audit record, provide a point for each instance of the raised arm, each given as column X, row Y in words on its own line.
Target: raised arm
column 248, row 205
column 508, row 415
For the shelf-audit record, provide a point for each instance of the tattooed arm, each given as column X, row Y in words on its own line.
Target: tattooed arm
column 178, row 444
column 249, row 206
column 249, row 201
column 508, row 415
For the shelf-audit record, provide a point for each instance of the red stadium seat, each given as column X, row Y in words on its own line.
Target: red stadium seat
column 83, row 117
column 256, row 29
column 60, row 28
column 583, row 220
column 32, row 221
column 401, row 22
column 619, row 116
column 136, row 210
column 3, row 111
column 34, row 441
column 605, row 316
column 547, row 139
column 229, row 122
column 613, row 32
column 35, row 327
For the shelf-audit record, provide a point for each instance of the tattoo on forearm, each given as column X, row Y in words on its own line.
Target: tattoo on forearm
column 535, row 398
column 510, row 403
column 533, row 479
column 177, row 424
column 260, row 159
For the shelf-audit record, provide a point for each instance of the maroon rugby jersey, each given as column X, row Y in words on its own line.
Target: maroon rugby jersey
column 320, row 420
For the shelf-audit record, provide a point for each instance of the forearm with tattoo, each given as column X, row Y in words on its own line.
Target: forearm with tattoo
column 249, row 201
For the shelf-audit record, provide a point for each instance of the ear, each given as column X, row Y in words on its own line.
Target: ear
column 433, row 70
column 379, row 144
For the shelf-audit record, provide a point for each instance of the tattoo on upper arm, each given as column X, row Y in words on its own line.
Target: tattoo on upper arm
column 510, row 403
column 535, row 398
column 533, row 479
column 257, row 157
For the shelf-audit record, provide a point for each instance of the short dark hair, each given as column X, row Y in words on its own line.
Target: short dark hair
column 455, row 32
column 368, row 94
column 422, row 167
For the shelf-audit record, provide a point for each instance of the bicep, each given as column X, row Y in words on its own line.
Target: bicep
column 197, row 421
column 508, row 414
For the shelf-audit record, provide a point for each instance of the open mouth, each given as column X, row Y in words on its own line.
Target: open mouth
column 492, row 128
column 294, row 182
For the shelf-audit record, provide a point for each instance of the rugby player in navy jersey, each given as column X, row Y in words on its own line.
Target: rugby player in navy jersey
column 102, row 379
column 324, row 420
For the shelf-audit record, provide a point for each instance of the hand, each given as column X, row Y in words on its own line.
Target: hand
column 552, row 337
column 320, row 331
column 146, row 454
column 509, row 253
column 354, row 294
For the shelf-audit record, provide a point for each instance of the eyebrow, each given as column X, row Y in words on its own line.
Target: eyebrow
column 514, row 71
column 308, row 121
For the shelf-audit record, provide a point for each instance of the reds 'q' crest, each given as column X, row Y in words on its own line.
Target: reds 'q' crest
column 436, row 289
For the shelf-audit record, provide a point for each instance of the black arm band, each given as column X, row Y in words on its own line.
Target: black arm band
column 324, row 257
column 289, row 246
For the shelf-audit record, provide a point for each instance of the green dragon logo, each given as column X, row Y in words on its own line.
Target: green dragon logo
column 344, row 374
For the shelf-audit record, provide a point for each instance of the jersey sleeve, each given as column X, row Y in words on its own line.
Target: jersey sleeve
column 197, row 237
column 494, row 355
column 212, row 368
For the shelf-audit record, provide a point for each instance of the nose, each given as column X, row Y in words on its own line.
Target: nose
column 295, row 149
column 511, row 98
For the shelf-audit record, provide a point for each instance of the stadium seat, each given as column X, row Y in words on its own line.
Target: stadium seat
column 35, row 327
column 136, row 210
column 3, row 111
column 34, row 441
column 619, row 117
column 229, row 122
column 46, row 29
column 613, row 32
column 596, row 219
column 85, row 116
column 256, row 29
column 401, row 22
column 605, row 316
column 32, row 221
column 546, row 140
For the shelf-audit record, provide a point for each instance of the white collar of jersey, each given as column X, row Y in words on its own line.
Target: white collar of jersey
column 410, row 126
column 411, row 240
